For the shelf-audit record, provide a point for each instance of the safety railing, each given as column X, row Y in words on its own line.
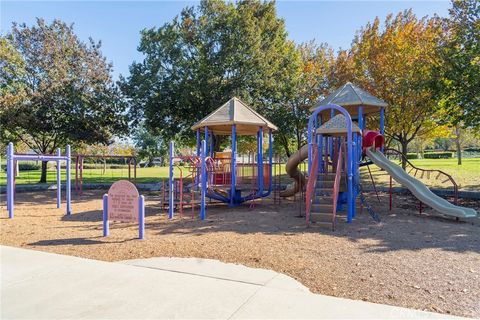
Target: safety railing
column 428, row 173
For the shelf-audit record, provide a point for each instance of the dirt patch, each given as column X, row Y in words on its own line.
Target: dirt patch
column 423, row 261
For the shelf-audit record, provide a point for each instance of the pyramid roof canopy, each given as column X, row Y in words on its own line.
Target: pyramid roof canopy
column 237, row 112
column 351, row 97
column 337, row 126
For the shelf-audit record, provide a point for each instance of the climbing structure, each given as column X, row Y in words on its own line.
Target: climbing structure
column 224, row 176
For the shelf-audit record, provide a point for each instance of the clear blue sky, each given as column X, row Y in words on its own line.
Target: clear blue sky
column 117, row 24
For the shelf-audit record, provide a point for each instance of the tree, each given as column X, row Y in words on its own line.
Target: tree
column 460, row 67
column 67, row 91
column 204, row 57
column 147, row 145
column 396, row 63
column 12, row 66
column 316, row 61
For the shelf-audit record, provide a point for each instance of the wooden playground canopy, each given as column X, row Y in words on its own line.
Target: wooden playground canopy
column 234, row 112
column 351, row 97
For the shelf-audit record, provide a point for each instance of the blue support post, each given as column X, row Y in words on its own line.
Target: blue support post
column 10, row 177
column 204, row 180
column 310, row 132
column 356, row 172
column 320, row 153
column 260, row 161
column 141, row 217
column 59, row 180
column 270, row 159
column 206, row 139
column 68, row 186
column 382, row 123
column 330, row 144
column 233, row 169
column 171, row 182
column 106, row 227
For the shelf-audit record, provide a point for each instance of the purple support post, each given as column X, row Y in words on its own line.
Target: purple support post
column 141, row 217
column 233, row 178
column 10, row 177
column 382, row 123
column 106, row 228
column 206, row 140
column 203, row 190
column 59, row 180
column 68, row 186
column 260, row 161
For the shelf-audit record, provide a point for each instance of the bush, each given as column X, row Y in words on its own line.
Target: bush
column 412, row 156
column 28, row 166
column 438, row 155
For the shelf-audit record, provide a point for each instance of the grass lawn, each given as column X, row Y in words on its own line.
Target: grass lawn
column 467, row 175
column 144, row 175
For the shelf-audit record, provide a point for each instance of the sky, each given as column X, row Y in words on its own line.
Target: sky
column 118, row 23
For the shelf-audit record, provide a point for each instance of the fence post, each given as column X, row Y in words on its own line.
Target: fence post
column 106, row 227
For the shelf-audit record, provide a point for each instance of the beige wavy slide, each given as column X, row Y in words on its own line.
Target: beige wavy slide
column 292, row 170
column 419, row 190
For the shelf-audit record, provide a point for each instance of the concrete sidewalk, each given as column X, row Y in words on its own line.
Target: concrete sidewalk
column 43, row 285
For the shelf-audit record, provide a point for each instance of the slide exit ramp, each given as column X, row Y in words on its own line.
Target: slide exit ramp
column 419, row 190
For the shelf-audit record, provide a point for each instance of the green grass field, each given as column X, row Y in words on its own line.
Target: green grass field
column 467, row 175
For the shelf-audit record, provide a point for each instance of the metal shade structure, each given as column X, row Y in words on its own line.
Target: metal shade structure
column 351, row 97
column 234, row 112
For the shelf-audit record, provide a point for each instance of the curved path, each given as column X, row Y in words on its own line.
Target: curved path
column 41, row 285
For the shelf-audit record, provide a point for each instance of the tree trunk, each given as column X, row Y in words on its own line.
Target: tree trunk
column 404, row 144
column 284, row 142
column 43, row 176
column 458, row 145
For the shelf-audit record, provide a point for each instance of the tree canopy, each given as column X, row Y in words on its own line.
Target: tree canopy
column 460, row 68
column 396, row 62
column 56, row 89
column 204, row 57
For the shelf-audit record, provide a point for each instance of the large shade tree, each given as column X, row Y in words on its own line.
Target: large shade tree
column 396, row 62
column 66, row 93
column 206, row 55
column 312, row 82
column 460, row 67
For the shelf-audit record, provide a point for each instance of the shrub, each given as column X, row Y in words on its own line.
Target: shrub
column 438, row 155
column 412, row 156
column 28, row 166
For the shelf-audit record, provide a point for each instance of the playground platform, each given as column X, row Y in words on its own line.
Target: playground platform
column 44, row 285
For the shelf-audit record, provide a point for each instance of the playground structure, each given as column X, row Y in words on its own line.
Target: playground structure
column 222, row 176
column 336, row 146
column 12, row 159
column 79, row 168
